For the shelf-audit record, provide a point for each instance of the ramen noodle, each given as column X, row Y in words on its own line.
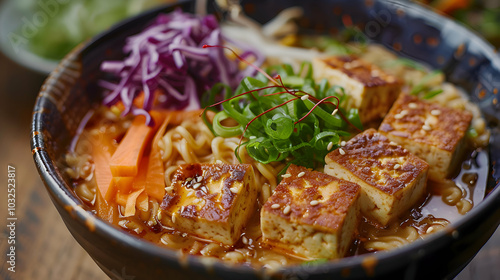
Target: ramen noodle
column 191, row 141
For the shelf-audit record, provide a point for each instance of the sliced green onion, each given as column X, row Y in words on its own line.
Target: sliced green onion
column 225, row 131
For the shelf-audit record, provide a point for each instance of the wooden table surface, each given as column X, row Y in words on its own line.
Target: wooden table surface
column 44, row 247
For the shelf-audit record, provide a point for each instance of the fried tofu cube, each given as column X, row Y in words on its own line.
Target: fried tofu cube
column 391, row 178
column 210, row 201
column 370, row 89
column 432, row 132
column 311, row 214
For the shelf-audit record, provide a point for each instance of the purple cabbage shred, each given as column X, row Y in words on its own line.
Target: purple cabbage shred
column 168, row 57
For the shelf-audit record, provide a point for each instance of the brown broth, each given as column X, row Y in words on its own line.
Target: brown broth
column 431, row 212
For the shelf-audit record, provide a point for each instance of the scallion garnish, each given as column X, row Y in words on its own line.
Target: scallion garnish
column 285, row 117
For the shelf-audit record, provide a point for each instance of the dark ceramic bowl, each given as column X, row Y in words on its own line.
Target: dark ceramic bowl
column 408, row 29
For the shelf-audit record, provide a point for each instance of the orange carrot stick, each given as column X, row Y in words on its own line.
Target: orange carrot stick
column 155, row 178
column 123, row 184
column 121, row 198
column 125, row 160
column 139, row 182
column 105, row 210
column 179, row 116
column 103, row 176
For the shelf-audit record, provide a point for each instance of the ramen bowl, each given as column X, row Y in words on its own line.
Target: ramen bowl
column 408, row 29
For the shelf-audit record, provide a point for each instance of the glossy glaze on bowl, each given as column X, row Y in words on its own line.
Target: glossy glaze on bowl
column 408, row 29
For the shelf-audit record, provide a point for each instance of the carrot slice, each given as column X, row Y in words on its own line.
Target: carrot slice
column 103, row 176
column 123, row 184
column 105, row 210
column 139, row 182
column 126, row 158
column 121, row 198
column 139, row 100
column 179, row 116
column 155, row 178
column 101, row 149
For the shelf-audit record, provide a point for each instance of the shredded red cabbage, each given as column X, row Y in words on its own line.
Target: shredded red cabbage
column 168, row 56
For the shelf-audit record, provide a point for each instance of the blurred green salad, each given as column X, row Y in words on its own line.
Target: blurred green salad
column 481, row 15
column 71, row 22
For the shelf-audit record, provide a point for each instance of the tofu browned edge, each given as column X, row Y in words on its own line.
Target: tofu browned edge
column 391, row 178
column 323, row 229
column 370, row 89
column 222, row 211
column 432, row 132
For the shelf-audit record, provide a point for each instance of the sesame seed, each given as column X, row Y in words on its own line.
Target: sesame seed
column 286, row 175
column 398, row 116
column 342, row 152
column 199, row 178
column 184, row 234
column 397, row 166
column 188, row 179
column 234, row 190
column 196, row 186
column 275, row 206
column 314, row 202
column 343, row 143
column 244, row 240
column 252, row 137
column 335, row 112
column 182, row 209
column 426, row 127
column 330, row 146
column 412, row 105
column 218, row 161
column 173, row 219
column 169, row 189
column 392, row 143
column 196, row 201
column 355, row 63
column 190, row 193
column 287, row 209
column 403, row 113
column 429, row 229
column 435, row 112
column 205, row 189
column 301, row 174
column 305, row 97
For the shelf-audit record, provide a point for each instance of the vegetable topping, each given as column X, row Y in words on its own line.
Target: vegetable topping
column 166, row 62
column 293, row 118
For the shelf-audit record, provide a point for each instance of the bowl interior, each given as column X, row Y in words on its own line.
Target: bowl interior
column 71, row 91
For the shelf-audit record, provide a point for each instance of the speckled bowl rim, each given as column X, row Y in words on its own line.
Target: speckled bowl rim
column 59, row 190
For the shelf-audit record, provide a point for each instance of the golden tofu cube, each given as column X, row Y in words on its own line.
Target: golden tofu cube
column 210, row 201
column 370, row 89
column 432, row 132
column 311, row 214
column 391, row 178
